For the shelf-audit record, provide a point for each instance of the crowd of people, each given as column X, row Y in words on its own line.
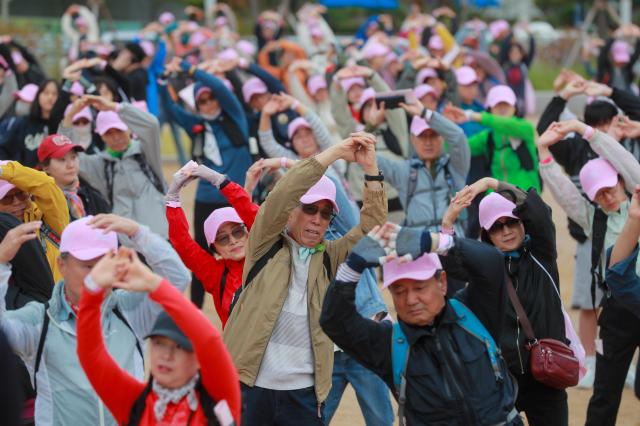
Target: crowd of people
column 328, row 170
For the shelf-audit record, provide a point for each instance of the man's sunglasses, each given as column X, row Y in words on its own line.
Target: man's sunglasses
column 312, row 210
column 498, row 226
column 237, row 233
column 8, row 199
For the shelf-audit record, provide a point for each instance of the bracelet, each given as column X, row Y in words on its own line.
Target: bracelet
column 283, row 162
column 295, row 105
column 374, row 178
column 588, row 133
column 546, row 160
column 468, row 113
column 426, row 114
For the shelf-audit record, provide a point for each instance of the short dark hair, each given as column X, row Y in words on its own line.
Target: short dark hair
column 598, row 113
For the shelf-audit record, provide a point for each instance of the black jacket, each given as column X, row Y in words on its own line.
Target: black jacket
column 605, row 66
column 450, row 380
column 573, row 152
column 534, row 273
column 94, row 203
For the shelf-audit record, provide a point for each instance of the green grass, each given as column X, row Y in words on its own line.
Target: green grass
column 542, row 74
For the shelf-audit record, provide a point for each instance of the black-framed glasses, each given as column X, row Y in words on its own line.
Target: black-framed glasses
column 313, row 209
column 237, row 233
column 509, row 222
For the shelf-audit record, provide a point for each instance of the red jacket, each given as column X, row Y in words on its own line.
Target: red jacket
column 118, row 390
column 206, row 267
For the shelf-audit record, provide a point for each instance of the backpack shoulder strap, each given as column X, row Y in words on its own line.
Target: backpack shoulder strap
column 43, row 337
column 223, row 283
column 399, row 358
column 326, row 261
column 121, row 317
column 598, row 232
column 412, row 184
column 139, row 405
column 472, row 325
column 155, row 180
column 255, row 270
column 108, row 178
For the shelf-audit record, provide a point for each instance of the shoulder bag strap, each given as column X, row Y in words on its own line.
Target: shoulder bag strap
column 517, row 306
column 43, row 336
column 117, row 313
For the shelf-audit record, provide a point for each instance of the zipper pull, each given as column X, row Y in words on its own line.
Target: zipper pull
column 319, row 414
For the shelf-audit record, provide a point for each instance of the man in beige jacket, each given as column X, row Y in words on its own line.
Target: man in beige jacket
column 284, row 358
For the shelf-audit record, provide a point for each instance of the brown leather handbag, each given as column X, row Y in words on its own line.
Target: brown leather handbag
column 552, row 362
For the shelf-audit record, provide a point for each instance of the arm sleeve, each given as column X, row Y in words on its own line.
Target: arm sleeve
column 551, row 113
column 274, row 212
column 146, row 126
column 365, row 340
column 341, row 113
column 457, row 142
column 228, row 101
column 478, row 143
column 536, row 216
column 320, row 131
column 206, row 268
column 115, row 387
column 220, row 378
column 241, row 202
column 9, row 87
column 395, row 171
column 185, row 119
column 567, row 195
column 48, row 196
column 396, row 118
column 604, row 63
column 298, row 91
column 119, row 79
column 272, row 148
column 263, row 61
column 273, row 84
column 511, row 126
column 622, row 160
column 628, row 102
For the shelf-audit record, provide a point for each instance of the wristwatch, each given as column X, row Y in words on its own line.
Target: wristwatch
column 374, row 178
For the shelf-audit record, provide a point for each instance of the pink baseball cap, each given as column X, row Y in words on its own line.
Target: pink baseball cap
column 197, row 38
column 216, row 220
column 391, row 57
column 296, row 125
column 246, row 48
column 497, row 27
column 107, row 120
column 220, row 21
column 466, row 76
column 418, row 125
column 493, row 207
column 228, row 54
column 620, row 51
column 148, row 47
column 253, row 86
column 424, row 74
column 324, row 189
column 597, row 174
column 27, row 93
column 316, row 83
column 420, row 269
column 201, row 91
column 424, row 90
column 166, row 18
column 348, row 83
column 435, row 43
column 141, row 105
column 373, row 49
column 5, row 187
column 84, row 242
column 367, row 94
column 76, row 89
column 83, row 113
column 500, row 93
column 81, row 21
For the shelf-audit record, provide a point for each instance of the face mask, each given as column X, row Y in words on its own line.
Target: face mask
column 22, row 108
column 82, row 135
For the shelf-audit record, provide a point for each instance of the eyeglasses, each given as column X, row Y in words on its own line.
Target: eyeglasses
column 9, row 199
column 498, row 226
column 237, row 233
column 312, row 210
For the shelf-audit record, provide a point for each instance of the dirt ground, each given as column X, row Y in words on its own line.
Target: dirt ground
column 349, row 414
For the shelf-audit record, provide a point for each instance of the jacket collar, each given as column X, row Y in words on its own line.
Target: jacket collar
column 437, row 166
column 134, row 149
column 415, row 333
column 60, row 310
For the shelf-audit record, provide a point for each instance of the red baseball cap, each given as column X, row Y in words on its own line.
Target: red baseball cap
column 56, row 146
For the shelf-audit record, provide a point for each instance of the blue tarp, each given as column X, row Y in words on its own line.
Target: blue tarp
column 484, row 3
column 368, row 4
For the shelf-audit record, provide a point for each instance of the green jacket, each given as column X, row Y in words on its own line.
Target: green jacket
column 507, row 162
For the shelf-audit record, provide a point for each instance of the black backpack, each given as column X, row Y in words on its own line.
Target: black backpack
column 262, row 262
column 206, row 402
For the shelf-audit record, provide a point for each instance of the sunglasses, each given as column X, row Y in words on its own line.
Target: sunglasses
column 498, row 226
column 312, row 210
column 8, row 199
column 237, row 233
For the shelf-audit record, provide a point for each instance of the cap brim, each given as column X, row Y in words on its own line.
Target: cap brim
column 88, row 254
column 498, row 216
column 605, row 182
column 421, row 275
column 310, row 199
column 181, row 340
column 119, row 126
column 59, row 153
column 5, row 189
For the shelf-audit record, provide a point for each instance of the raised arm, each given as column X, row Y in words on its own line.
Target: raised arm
column 47, row 195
